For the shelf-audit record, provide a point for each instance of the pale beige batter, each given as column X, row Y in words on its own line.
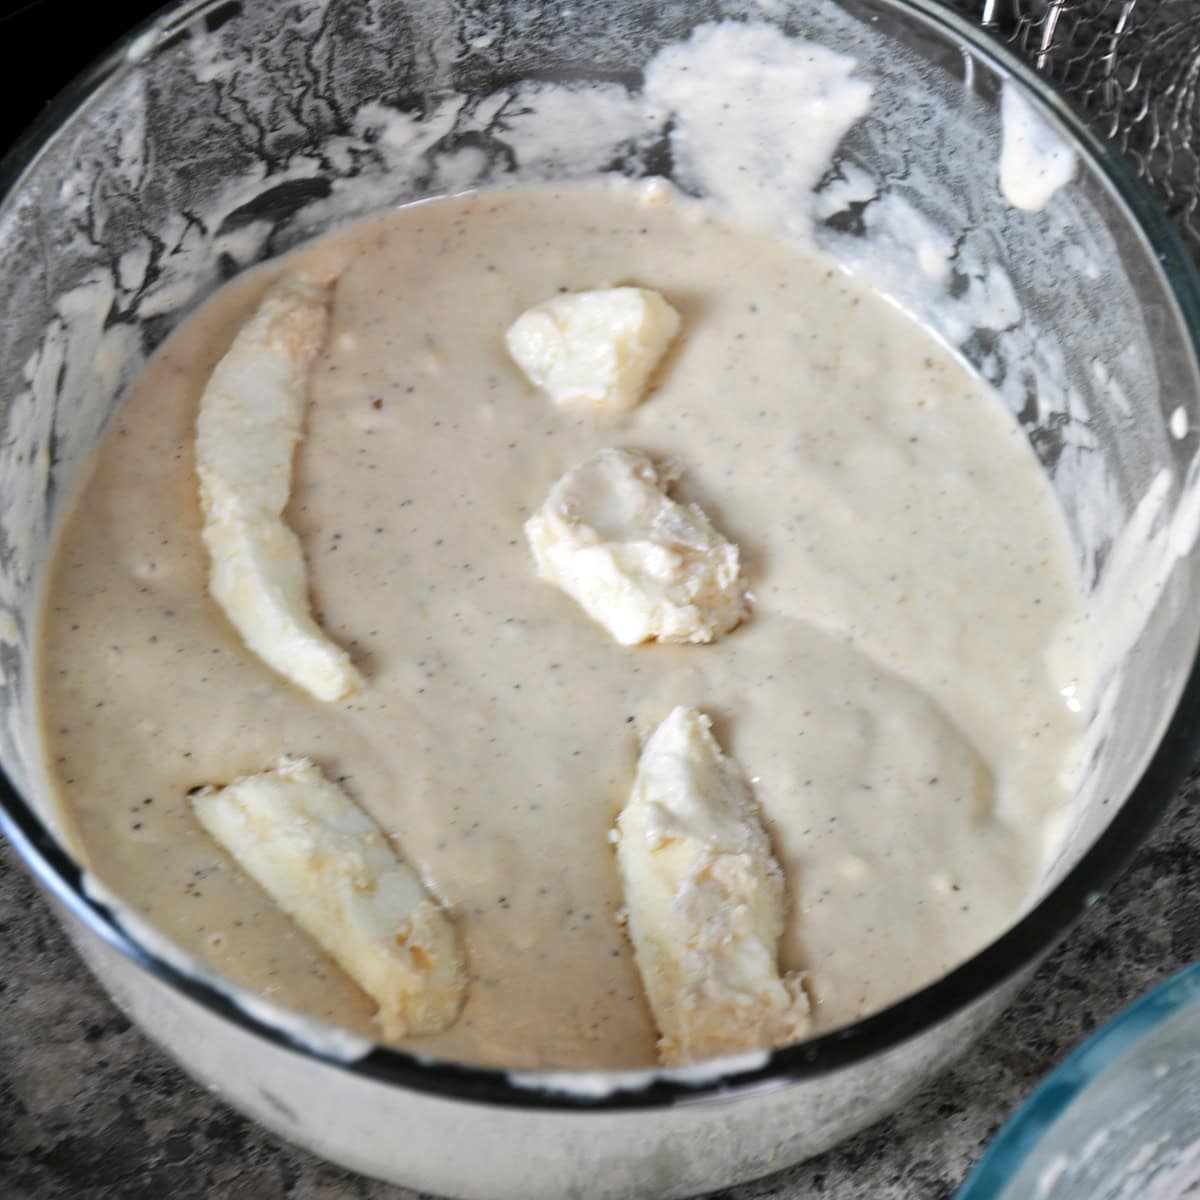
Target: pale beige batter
column 886, row 696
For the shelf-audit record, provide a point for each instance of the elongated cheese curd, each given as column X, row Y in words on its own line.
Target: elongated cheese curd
column 251, row 415
column 704, row 900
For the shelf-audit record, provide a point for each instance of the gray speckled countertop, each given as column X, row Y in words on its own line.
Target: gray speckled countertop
column 90, row 1110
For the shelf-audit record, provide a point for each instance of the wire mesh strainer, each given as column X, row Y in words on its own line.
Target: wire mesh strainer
column 1134, row 67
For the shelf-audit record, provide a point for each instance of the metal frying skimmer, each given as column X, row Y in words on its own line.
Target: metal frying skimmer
column 1134, row 67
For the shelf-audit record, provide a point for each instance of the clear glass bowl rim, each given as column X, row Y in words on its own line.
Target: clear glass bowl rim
column 1033, row 1123
column 874, row 1035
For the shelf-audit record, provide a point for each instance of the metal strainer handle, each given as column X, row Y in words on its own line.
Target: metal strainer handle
column 1134, row 67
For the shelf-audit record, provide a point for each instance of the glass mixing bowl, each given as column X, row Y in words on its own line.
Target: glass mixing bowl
column 1118, row 1120
column 221, row 134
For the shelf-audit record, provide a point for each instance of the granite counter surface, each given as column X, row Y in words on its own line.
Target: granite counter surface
column 91, row 1111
